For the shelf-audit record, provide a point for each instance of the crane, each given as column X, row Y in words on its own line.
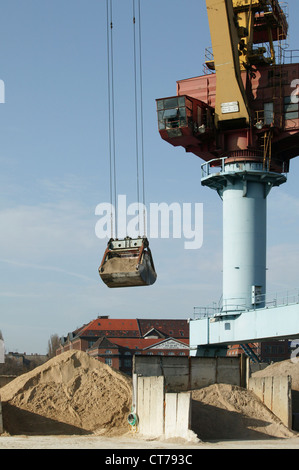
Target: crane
column 242, row 118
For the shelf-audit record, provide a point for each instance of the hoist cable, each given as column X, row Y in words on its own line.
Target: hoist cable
column 141, row 118
column 112, row 159
column 109, row 120
column 111, row 106
column 141, row 112
column 136, row 112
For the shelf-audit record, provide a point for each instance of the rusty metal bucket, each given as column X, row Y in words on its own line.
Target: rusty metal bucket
column 128, row 263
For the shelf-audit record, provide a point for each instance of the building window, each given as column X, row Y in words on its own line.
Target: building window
column 127, row 362
column 108, row 361
column 108, row 351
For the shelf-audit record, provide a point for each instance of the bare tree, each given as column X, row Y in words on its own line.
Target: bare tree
column 1, row 335
column 53, row 344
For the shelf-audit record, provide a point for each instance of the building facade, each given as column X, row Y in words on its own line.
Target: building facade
column 116, row 341
column 266, row 351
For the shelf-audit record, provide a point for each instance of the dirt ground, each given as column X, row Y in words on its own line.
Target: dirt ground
column 129, row 442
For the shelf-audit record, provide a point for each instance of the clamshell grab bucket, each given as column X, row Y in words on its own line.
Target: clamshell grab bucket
column 128, row 263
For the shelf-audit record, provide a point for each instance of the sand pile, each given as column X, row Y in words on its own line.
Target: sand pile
column 223, row 411
column 70, row 394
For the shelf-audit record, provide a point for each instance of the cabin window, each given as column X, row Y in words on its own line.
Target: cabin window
column 174, row 112
column 268, row 113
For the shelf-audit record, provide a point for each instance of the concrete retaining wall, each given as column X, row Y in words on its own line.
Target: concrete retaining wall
column 161, row 390
column 206, row 371
column 161, row 386
column 190, row 373
column 275, row 393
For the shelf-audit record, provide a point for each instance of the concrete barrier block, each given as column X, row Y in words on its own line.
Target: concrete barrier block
column 178, row 416
column 268, row 392
column 257, row 385
column 150, row 406
column 184, row 411
column 282, row 402
column 171, row 404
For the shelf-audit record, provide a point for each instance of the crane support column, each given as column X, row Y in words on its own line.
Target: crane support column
column 244, row 243
column 243, row 187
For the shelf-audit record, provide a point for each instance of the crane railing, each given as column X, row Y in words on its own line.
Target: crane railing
column 271, row 300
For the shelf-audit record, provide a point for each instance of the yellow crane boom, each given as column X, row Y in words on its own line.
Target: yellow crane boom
column 236, row 27
column 231, row 102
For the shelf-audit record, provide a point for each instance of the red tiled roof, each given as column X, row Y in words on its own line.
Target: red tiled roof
column 173, row 328
column 135, row 327
column 107, row 324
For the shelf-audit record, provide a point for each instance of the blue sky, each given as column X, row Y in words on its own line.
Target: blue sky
column 54, row 160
